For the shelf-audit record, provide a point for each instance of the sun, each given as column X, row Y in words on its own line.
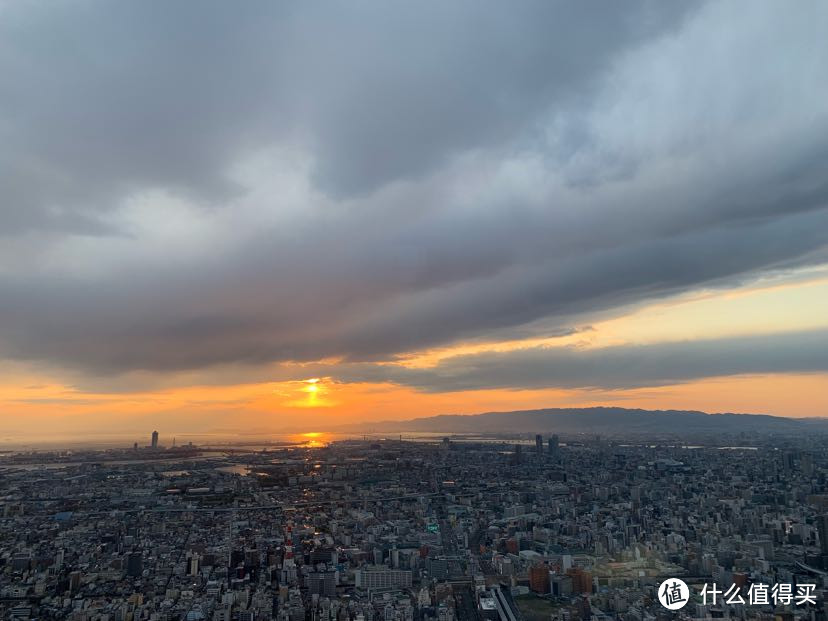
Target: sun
column 312, row 439
column 313, row 392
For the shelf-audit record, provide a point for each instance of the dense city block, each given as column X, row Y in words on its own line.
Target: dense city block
column 402, row 530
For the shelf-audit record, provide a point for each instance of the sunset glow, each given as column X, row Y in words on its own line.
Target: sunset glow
column 413, row 311
column 502, row 219
column 268, row 405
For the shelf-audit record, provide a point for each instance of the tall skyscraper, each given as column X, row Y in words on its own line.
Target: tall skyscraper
column 193, row 565
column 155, row 439
column 539, row 445
column 822, row 529
column 135, row 564
column 806, row 464
column 553, row 445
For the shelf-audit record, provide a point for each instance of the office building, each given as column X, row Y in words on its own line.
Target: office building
column 135, row 564
column 539, row 578
column 322, row 583
column 382, row 578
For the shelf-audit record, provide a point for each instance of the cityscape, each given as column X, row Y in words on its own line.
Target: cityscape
column 425, row 310
column 403, row 529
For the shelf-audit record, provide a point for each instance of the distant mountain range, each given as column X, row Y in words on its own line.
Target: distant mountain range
column 603, row 420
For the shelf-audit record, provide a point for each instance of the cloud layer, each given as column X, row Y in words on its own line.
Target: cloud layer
column 618, row 367
column 199, row 184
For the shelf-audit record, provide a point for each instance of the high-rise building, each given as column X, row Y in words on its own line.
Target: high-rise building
column 539, row 445
column 581, row 580
column 193, row 565
column 74, row 581
column 155, row 439
column 553, row 445
column 822, row 529
column 135, row 564
column 539, row 578
column 438, row 568
column 322, row 583
column 806, row 464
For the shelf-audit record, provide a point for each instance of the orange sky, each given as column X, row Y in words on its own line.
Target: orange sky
column 39, row 405
column 274, row 407
column 422, row 217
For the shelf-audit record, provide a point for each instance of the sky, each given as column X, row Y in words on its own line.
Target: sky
column 266, row 216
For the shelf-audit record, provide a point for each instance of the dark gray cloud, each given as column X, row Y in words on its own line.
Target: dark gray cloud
column 180, row 321
column 627, row 366
column 202, row 184
column 99, row 101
